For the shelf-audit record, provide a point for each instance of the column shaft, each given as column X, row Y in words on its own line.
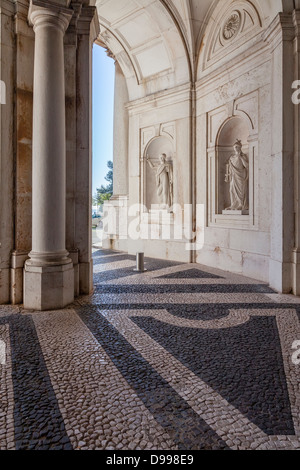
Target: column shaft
column 280, row 35
column 120, row 182
column 83, row 200
column 49, row 165
column 49, row 274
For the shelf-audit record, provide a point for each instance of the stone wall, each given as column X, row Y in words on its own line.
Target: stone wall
column 7, row 71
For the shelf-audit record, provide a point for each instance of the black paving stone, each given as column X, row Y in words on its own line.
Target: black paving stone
column 35, row 403
column 198, row 311
column 190, row 274
column 184, row 289
column 216, row 308
column 243, row 364
column 167, row 407
column 110, row 275
column 113, row 259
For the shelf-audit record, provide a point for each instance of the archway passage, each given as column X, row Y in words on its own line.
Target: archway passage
column 184, row 356
column 103, row 124
column 184, row 75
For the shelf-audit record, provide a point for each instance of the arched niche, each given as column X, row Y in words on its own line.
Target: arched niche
column 158, row 146
column 232, row 130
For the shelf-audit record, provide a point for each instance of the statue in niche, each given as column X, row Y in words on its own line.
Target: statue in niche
column 237, row 175
column 164, row 180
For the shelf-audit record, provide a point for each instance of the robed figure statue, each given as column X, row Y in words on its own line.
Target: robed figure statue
column 237, row 175
column 164, row 180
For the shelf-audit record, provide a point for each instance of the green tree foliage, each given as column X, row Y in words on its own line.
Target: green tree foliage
column 104, row 193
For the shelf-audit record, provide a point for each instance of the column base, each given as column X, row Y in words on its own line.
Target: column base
column 86, row 278
column 48, row 287
column 18, row 259
column 296, row 272
column 4, row 285
column 115, row 224
column 280, row 276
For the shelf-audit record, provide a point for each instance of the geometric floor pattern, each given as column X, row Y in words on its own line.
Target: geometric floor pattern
column 180, row 357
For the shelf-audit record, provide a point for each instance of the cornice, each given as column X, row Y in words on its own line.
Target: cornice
column 161, row 98
column 88, row 21
column 281, row 29
column 7, row 7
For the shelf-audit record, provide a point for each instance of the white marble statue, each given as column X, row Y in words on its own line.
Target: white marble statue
column 164, row 180
column 237, row 175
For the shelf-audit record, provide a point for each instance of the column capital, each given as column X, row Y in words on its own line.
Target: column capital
column 88, row 22
column 43, row 13
column 296, row 21
column 7, row 7
column 281, row 29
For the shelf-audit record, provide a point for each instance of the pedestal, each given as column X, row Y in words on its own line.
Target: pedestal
column 115, row 224
column 48, row 287
column 233, row 212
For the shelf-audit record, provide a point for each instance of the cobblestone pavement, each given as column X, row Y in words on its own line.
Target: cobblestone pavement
column 178, row 357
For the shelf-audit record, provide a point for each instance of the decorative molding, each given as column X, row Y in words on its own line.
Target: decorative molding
column 87, row 23
column 21, row 20
column 110, row 54
column 147, row 134
column 232, row 26
column 168, row 130
column 41, row 14
column 161, row 98
column 235, row 24
column 7, row 7
column 154, row 140
column 245, row 108
column 281, row 29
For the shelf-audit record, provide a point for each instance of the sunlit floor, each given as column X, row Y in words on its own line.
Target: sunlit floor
column 178, row 357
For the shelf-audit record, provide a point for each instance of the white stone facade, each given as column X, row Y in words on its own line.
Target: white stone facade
column 192, row 77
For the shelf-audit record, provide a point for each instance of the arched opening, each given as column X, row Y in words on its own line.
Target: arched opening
column 102, row 142
column 237, row 74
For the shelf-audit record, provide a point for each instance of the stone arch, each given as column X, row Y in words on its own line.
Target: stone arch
column 147, row 43
column 233, row 27
column 214, row 50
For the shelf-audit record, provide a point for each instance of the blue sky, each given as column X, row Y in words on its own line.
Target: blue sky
column 103, row 104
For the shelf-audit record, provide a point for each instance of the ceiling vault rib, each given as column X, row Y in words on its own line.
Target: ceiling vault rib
column 173, row 15
column 123, row 47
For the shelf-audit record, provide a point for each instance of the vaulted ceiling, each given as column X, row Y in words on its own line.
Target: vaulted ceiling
column 157, row 42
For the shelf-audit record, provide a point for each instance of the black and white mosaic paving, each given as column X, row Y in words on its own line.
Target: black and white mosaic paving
column 179, row 357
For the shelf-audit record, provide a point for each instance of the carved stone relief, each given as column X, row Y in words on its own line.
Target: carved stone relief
column 158, row 174
column 231, row 26
column 232, row 168
column 235, row 24
column 163, row 180
column 237, row 175
column 232, row 155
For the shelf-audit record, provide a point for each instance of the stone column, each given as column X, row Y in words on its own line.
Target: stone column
column 24, row 40
column 116, row 209
column 87, row 31
column 280, row 36
column 7, row 54
column 296, row 251
column 120, row 182
column 49, row 274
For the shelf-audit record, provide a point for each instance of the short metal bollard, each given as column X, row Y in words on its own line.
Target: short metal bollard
column 140, row 263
